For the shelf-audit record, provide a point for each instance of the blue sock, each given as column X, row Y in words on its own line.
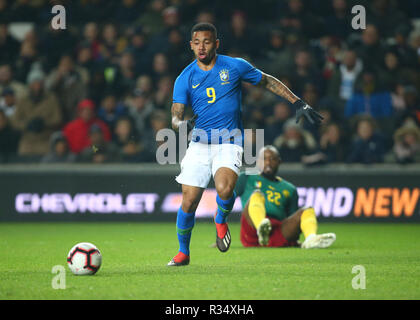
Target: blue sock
column 224, row 207
column 184, row 225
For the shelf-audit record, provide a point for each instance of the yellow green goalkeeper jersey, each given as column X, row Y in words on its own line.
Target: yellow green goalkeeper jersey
column 281, row 198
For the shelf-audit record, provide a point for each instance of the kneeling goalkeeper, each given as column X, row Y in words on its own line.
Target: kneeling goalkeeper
column 271, row 216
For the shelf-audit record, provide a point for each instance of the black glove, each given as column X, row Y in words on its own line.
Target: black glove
column 305, row 110
column 191, row 123
column 36, row 125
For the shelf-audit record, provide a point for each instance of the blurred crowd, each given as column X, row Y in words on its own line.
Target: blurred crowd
column 99, row 90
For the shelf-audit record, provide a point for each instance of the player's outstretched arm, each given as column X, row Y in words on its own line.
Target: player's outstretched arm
column 277, row 87
column 177, row 111
column 302, row 108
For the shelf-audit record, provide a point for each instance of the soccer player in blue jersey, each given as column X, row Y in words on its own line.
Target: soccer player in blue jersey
column 211, row 85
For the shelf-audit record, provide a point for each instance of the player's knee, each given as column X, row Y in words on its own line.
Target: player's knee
column 225, row 190
column 189, row 204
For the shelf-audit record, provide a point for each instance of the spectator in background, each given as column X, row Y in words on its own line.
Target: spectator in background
column 368, row 146
column 158, row 120
column 203, row 16
column 369, row 97
column 133, row 151
column 122, row 79
column 98, row 84
column 8, row 102
column 9, row 139
column 84, row 58
column 171, row 17
column 407, row 55
column 37, row 116
column 294, row 143
column 277, row 57
column 9, row 46
column 69, row 82
column 332, row 147
column 161, row 41
column 77, row 131
column 139, row 47
column 4, row 10
column 25, row 11
column 239, row 38
column 124, row 131
column 371, row 47
column 55, row 43
column 332, row 144
column 328, row 52
column 305, row 71
column 339, row 23
column 297, row 20
column 59, row 150
column 91, row 38
column 140, row 107
column 276, row 122
column 385, row 16
column 152, row 18
column 392, row 72
column 412, row 106
column 178, row 55
column 128, row 11
column 93, row 10
column 407, row 143
column 7, row 81
column 28, row 57
column 160, row 66
column 257, row 105
column 128, row 141
column 163, row 95
column 341, row 84
column 100, row 149
column 145, row 84
column 111, row 45
column 111, row 110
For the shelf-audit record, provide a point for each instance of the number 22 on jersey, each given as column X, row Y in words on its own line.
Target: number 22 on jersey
column 211, row 93
column 273, row 197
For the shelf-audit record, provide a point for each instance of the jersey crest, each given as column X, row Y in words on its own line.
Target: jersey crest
column 224, row 75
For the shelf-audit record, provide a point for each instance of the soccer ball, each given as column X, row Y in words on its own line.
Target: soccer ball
column 84, row 259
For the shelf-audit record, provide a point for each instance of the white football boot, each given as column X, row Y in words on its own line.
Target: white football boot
column 263, row 232
column 323, row 240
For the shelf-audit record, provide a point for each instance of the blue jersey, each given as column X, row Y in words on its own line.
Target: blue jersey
column 215, row 97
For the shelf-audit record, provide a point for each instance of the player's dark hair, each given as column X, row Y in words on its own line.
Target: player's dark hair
column 204, row 26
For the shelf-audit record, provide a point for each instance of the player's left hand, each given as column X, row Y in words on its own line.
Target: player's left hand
column 305, row 110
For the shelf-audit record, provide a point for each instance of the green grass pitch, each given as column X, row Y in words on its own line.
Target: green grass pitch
column 135, row 257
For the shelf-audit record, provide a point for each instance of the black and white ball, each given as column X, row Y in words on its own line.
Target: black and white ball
column 84, row 259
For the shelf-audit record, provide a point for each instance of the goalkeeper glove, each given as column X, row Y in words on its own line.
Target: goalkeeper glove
column 305, row 110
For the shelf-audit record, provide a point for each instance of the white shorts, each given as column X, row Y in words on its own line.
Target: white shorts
column 201, row 161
